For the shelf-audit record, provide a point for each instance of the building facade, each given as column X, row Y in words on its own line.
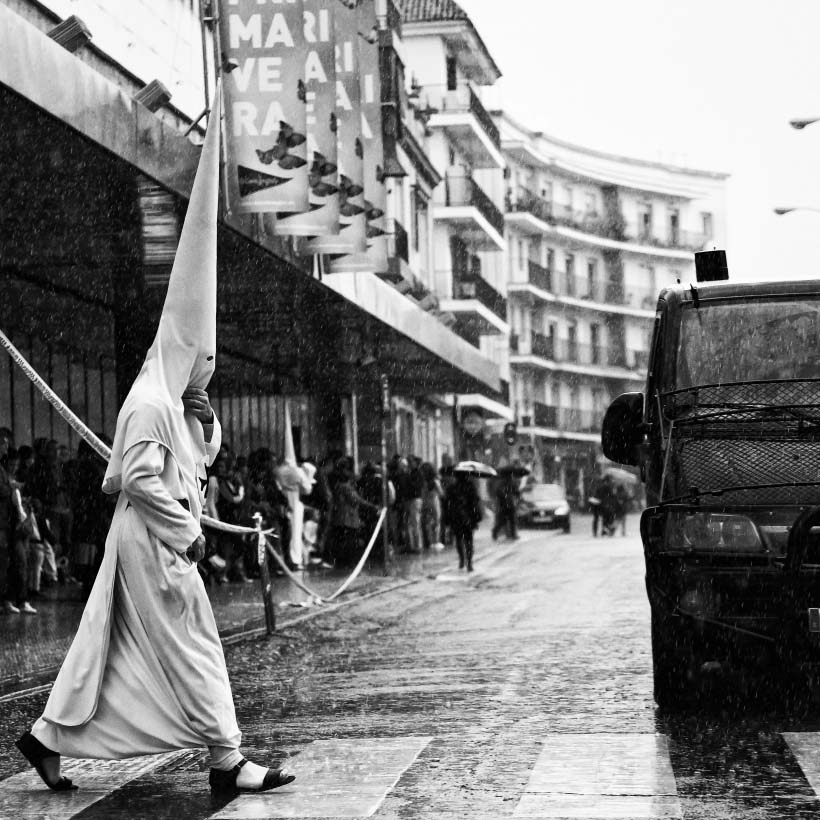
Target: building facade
column 106, row 118
column 591, row 239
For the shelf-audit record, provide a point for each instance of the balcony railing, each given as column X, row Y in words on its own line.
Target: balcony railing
column 544, row 415
column 678, row 239
column 541, row 345
column 481, row 290
column 462, row 190
column 539, row 276
column 399, row 245
column 524, row 200
column 570, row 419
column 463, row 100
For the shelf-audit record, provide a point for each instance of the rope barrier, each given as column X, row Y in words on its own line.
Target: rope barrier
column 315, row 597
column 76, row 424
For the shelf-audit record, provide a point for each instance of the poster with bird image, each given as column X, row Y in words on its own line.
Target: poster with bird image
column 263, row 47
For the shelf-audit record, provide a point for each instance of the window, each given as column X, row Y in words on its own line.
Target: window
column 546, row 191
column 550, row 259
column 590, row 204
column 706, row 225
column 595, row 343
column 674, row 226
column 452, row 74
column 569, row 274
column 644, row 220
column 592, row 277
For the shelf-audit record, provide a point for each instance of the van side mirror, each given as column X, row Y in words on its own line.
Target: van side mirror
column 622, row 430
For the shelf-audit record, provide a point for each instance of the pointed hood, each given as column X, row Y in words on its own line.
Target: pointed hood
column 185, row 344
column 290, row 450
column 184, row 349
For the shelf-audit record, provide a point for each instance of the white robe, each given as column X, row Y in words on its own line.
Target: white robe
column 146, row 672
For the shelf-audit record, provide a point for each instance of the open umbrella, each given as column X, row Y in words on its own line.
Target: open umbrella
column 475, row 469
column 620, row 476
column 515, row 470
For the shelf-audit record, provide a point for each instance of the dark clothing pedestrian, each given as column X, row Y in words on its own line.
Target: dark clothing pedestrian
column 346, row 521
column 506, row 496
column 463, row 509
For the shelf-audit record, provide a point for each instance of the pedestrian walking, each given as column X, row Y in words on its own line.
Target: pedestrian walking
column 463, row 509
column 506, row 498
column 596, row 490
column 431, row 508
column 347, row 522
column 146, row 673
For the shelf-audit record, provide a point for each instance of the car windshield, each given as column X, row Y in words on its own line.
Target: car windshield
column 544, row 492
column 749, row 341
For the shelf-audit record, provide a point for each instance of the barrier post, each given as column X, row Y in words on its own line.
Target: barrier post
column 264, row 574
column 387, row 550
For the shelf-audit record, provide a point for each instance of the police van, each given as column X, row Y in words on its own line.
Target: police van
column 727, row 439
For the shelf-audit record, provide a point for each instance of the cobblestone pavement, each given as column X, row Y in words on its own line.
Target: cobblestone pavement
column 522, row 690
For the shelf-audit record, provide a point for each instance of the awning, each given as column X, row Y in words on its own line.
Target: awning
column 328, row 331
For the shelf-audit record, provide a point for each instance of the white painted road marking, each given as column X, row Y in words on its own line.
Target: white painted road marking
column 805, row 746
column 601, row 776
column 24, row 795
column 334, row 778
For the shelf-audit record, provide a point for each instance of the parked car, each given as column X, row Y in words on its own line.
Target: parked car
column 544, row 504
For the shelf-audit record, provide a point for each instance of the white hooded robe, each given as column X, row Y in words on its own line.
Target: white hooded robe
column 145, row 672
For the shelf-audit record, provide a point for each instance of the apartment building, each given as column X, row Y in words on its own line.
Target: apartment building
column 591, row 239
column 447, row 66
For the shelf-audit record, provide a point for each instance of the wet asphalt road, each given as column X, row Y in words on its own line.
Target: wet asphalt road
column 522, row 690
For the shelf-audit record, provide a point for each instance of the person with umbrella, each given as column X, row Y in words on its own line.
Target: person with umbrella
column 463, row 508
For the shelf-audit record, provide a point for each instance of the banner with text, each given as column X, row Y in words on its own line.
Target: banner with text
column 265, row 114
column 375, row 193
column 351, row 237
column 320, row 84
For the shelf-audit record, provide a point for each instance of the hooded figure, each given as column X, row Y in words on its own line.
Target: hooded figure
column 146, row 673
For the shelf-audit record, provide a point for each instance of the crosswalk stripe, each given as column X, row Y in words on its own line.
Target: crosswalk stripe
column 25, row 794
column 601, row 776
column 334, row 778
column 805, row 746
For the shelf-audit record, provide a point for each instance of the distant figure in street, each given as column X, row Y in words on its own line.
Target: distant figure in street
column 596, row 490
column 346, row 518
column 431, row 508
column 609, row 505
column 506, row 497
column 463, row 508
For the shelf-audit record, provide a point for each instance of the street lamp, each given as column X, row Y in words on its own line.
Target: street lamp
column 800, row 124
column 782, row 211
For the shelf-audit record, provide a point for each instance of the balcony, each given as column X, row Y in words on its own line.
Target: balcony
column 541, row 345
column 637, row 359
column 674, row 239
column 478, row 307
column 523, row 202
column 471, row 212
column 544, row 415
column 575, row 420
column 483, row 292
column 539, row 276
column 460, row 113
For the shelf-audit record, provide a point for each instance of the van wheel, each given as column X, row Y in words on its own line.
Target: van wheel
column 566, row 527
column 670, row 663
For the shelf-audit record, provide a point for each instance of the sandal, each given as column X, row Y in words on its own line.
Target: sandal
column 34, row 751
column 225, row 782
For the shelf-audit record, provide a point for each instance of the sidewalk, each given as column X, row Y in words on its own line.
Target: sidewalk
column 32, row 647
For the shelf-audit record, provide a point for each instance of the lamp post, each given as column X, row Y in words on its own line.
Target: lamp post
column 782, row 211
column 800, row 123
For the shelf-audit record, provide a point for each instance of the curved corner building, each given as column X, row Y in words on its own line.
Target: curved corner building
column 591, row 239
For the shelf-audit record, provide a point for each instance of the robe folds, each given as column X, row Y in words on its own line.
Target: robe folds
column 146, row 672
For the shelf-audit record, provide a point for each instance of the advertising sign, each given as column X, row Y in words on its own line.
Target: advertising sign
column 320, row 85
column 265, row 115
column 351, row 236
column 375, row 193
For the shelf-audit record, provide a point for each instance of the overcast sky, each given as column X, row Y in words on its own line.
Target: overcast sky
column 706, row 83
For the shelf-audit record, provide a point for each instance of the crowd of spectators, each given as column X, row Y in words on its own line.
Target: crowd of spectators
column 54, row 517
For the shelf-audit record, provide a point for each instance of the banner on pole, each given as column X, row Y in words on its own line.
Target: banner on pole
column 263, row 46
column 322, row 217
column 374, row 259
column 352, row 227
